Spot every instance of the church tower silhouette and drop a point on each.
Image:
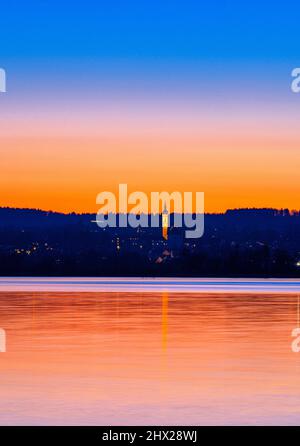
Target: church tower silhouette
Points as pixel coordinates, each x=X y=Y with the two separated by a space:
x=165 y=222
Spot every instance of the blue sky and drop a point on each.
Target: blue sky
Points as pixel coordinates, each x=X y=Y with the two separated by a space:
x=154 y=45
x=206 y=84
x=141 y=30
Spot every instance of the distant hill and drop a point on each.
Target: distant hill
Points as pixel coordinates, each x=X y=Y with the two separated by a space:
x=239 y=242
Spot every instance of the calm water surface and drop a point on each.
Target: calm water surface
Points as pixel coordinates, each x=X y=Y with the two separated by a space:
x=148 y=358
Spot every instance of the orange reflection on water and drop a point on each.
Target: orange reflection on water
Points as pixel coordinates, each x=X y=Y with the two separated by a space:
x=132 y=358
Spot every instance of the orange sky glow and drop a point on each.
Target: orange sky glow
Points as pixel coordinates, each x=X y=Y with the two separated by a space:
x=60 y=160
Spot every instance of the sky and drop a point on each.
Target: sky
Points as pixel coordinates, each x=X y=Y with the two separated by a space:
x=161 y=95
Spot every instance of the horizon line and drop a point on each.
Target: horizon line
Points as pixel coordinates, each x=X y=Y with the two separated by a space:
x=289 y=211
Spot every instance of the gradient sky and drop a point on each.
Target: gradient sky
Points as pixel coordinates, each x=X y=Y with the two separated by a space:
x=162 y=95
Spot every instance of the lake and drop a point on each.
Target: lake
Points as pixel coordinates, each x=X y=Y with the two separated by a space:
x=78 y=353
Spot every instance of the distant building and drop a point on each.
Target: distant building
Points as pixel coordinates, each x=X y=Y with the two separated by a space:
x=165 y=222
